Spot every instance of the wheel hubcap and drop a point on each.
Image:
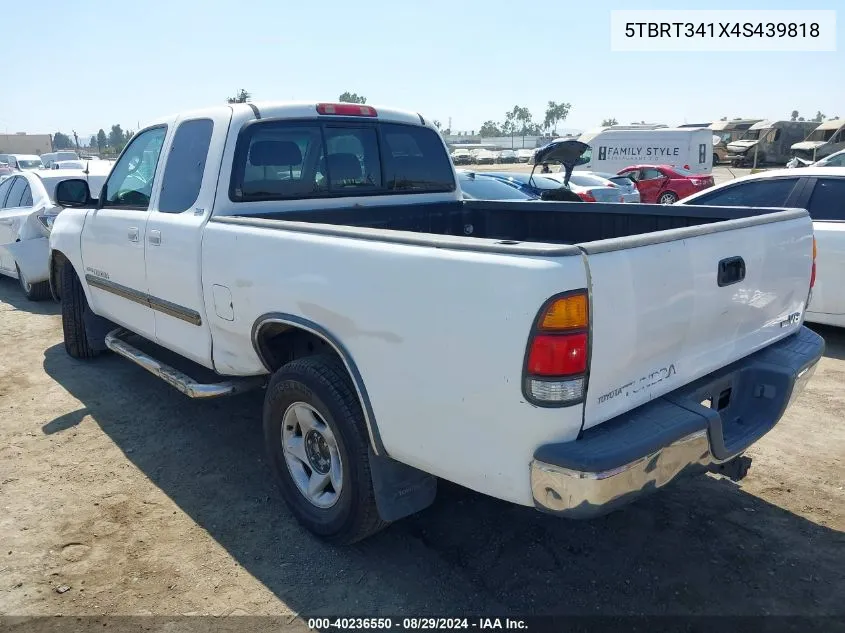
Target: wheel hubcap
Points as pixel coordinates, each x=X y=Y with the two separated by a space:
x=311 y=455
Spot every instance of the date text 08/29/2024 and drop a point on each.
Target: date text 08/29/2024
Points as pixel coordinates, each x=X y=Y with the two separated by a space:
x=413 y=624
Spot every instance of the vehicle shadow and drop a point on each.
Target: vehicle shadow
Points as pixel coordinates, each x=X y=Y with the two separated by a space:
x=11 y=293
x=834 y=339
x=702 y=546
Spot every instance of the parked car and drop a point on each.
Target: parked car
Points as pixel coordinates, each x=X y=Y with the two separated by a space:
x=591 y=188
x=27 y=212
x=547 y=186
x=524 y=155
x=506 y=156
x=664 y=184
x=820 y=190
x=68 y=164
x=49 y=159
x=21 y=162
x=481 y=186
x=485 y=157
x=405 y=335
x=461 y=157
x=834 y=160
x=630 y=193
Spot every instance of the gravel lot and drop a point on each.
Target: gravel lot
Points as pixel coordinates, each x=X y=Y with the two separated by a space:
x=120 y=496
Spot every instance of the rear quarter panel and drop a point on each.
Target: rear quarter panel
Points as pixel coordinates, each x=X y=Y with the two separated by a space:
x=438 y=336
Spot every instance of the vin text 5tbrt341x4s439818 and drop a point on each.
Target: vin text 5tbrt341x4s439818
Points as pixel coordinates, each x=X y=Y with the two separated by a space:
x=324 y=251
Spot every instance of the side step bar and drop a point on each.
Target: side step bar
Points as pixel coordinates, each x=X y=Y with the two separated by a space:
x=115 y=341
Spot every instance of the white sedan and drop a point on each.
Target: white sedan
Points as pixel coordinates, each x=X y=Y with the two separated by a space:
x=820 y=190
x=27 y=212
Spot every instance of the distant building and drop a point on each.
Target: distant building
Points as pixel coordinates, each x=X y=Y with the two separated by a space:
x=23 y=143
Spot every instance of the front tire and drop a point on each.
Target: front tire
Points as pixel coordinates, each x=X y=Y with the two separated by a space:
x=34 y=292
x=74 y=308
x=667 y=197
x=318 y=447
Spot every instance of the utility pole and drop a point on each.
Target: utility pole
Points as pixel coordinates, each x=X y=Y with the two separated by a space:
x=76 y=142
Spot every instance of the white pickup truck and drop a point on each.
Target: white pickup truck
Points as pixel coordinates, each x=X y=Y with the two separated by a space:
x=558 y=355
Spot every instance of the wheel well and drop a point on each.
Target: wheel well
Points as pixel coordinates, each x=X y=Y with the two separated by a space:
x=280 y=343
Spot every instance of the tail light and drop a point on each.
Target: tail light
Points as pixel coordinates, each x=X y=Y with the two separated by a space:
x=346 y=109
x=813 y=271
x=586 y=196
x=556 y=360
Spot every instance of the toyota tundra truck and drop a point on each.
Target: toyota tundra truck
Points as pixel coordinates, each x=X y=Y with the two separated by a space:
x=557 y=355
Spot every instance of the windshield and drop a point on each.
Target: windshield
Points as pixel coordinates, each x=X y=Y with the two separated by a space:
x=486 y=188
x=30 y=164
x=821 y=135
x=752 y=135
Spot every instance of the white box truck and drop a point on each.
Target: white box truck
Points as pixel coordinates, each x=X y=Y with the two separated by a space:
x=614 y=150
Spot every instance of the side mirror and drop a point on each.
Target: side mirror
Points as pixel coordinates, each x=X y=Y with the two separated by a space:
x=73 y=193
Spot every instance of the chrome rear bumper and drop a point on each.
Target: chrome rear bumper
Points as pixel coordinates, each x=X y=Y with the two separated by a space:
x=612 y=476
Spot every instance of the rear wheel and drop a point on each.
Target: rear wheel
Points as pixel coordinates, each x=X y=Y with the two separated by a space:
x=74 y=308
x=318 y=447
x=667 y=197
x=715 y=159
x=34 y=292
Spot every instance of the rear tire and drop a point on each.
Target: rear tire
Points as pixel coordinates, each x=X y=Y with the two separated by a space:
x=715 y=159
x=34 y=292
x=667 y=197
x=74 y=308
x=315 y=395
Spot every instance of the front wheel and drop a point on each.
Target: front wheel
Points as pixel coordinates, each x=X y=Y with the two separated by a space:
x=74 y=308
x=34 y=292
x=667 y=197
x=318 y=447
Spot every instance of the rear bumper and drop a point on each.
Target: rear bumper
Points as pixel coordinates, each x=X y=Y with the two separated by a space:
x=624 y=458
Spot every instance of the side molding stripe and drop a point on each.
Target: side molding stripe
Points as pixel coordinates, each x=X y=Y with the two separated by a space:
x=160 y=305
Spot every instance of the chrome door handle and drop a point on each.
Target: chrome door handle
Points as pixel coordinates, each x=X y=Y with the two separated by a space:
x=133 y=234
x=155 y=237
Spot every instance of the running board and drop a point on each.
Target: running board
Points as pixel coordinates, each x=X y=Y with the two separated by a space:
x=175 y=378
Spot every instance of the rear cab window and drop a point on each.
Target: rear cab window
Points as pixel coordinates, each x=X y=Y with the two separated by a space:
x=294 y=160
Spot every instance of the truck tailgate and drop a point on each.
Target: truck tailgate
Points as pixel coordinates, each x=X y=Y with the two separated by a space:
x=672 y=306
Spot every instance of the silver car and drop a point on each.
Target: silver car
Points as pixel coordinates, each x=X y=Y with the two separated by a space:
x=630 y=193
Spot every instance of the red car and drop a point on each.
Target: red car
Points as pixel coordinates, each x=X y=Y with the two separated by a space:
x=664 y=184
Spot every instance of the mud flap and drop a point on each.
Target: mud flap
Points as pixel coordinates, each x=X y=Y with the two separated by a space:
x=400 y=490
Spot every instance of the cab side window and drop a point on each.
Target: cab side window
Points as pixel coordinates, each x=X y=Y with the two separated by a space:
x=649 y=173
x=766 y=192
x=130 y=184
x=828 y=200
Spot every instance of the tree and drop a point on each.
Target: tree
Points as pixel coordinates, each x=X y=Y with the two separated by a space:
x=61 y=141
x=242 y=96
x=609 y=122
x=92 y=142
x=819 y=116
x=794 y=115
x=555 y=113
x=102 y=141
x=490 y=129
x=436 y=124
x=352 y=97
x=116 y=138
x=509 y=125
x=524 y=121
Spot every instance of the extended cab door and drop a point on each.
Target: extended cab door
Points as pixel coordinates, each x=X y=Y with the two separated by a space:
x=114 y=235
x=174 y=235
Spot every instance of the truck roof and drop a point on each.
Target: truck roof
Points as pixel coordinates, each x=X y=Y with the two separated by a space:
x=833 y=124
x=294 y=110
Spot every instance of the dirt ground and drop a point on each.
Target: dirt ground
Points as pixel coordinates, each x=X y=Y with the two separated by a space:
x=120 y=496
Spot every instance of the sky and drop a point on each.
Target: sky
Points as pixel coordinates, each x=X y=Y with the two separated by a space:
x=89 y=64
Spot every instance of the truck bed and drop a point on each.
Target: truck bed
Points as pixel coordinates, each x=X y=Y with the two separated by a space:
x=519 y=222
